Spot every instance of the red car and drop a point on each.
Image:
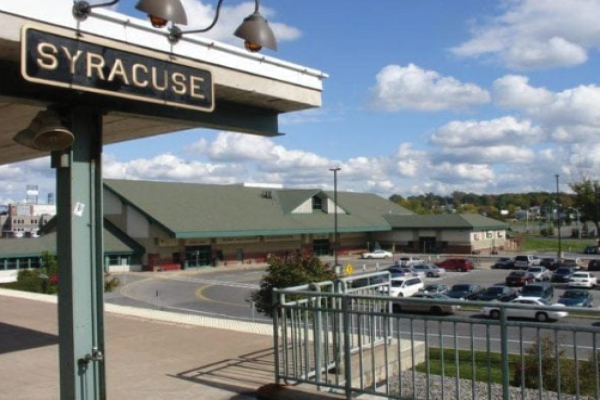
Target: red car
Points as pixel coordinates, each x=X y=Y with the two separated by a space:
x=519 y=278
x=456 y=264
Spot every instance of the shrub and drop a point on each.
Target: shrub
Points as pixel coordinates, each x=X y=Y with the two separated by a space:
x=555 y=368
x=110 y=282
x=29 y=281
x=283 y=272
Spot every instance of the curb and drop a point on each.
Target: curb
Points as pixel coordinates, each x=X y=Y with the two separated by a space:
x=158 y=315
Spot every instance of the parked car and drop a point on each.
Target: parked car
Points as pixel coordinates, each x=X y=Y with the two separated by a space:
x=526 y=261
x=379 y=253
x=410 y=261
x=429 y=307
x=456 y=264
x=397 y=271
x=496 y=293
x=593 y=265
x=403 y=287
x=542 y=290
x=541 y=274
x=591 y=250
x=583 y=279
x=430 y=270
x=519 y=278
x=435 y=288
x=576 y=298
x=549 y=262
x=531 y=312
x=464 y=291
x=563 y=274
x=361 y=281
x=504 y=263
x=570 y=262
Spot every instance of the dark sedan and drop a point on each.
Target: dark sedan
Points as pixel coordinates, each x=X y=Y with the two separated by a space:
x=504 y=263
x=576 y=298
x=519 y=278
x=594 y=265
x=464 y=291
x=496 y=293
x=563 y=274
x=549 y=262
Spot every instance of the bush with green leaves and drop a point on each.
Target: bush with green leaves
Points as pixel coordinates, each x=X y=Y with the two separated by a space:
x=543 y=359
x=283 y=272
x=110 y=282
x=45 y=279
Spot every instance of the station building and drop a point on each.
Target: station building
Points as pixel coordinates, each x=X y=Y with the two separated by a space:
x=151 y=225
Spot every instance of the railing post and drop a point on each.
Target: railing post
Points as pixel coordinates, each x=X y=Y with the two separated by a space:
x=347 y=354
x=504 y=354
x=276 y=308
x=317 y=335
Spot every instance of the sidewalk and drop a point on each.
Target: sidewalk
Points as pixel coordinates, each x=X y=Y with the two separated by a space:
x=150 y=355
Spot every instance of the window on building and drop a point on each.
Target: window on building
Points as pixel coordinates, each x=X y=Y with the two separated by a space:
x=317 y=203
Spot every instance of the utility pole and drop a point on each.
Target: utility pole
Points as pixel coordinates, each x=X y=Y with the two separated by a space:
x=335 y=219
x=558 y=218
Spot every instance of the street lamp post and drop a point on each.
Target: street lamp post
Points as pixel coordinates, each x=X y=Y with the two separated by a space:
x=558 y=218
x=335 y=219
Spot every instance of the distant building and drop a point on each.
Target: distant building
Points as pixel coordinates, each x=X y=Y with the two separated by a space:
x=25 y=220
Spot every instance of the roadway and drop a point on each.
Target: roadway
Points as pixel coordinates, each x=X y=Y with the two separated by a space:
x=226 y=294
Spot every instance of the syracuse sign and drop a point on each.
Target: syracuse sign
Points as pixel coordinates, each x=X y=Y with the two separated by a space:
x=62 y=58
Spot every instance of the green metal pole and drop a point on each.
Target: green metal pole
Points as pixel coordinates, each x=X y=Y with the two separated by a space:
x=80 y=256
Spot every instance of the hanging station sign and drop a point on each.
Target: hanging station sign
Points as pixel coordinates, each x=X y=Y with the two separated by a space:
x=79 y=61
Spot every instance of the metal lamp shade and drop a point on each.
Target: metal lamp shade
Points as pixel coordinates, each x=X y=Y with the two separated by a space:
x=256 y=32
x=45 y=133
x=165 y=10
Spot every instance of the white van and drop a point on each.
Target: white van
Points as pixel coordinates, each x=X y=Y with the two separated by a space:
x=404 y=286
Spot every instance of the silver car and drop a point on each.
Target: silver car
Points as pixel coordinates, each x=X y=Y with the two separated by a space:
x=541 y=274
x=430 y=270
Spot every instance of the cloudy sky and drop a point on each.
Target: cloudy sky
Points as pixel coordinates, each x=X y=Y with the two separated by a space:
x=423 y=96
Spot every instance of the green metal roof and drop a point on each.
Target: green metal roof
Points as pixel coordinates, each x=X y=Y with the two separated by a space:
x=31 y=247
x=291 y=199
x=474 y=222
x=189 y=210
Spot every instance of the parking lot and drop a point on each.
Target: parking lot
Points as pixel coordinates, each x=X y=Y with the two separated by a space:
x=485 y=277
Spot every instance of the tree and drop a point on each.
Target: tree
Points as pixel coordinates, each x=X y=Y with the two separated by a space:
x=282 y=272
x=587 y=197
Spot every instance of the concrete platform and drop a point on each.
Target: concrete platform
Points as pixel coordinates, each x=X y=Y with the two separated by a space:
x=150 y=355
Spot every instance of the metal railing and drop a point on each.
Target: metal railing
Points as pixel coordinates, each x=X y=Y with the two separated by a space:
x=344 y=338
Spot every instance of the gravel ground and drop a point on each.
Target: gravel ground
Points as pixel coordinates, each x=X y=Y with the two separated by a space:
x=446 y=389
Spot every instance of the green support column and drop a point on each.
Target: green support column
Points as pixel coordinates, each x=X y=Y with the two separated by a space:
x=80 y=256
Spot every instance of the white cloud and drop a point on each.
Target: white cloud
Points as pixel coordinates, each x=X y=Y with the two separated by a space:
x=501 y=131
x=514 y=91
x=570 y=115
x=168 y=167
x=235 y=147
x=456 y=173
x=537 y=34
x=501 y=154
x=414 y=88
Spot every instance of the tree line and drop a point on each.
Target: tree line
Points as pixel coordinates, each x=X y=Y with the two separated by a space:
x=585 y=199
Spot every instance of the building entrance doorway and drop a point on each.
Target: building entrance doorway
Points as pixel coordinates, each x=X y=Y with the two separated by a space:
x=321 y=247
x=198 y=256
x=427 y=244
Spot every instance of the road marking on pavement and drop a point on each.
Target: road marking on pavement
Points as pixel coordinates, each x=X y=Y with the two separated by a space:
x=212 y=282
x=201 y=296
